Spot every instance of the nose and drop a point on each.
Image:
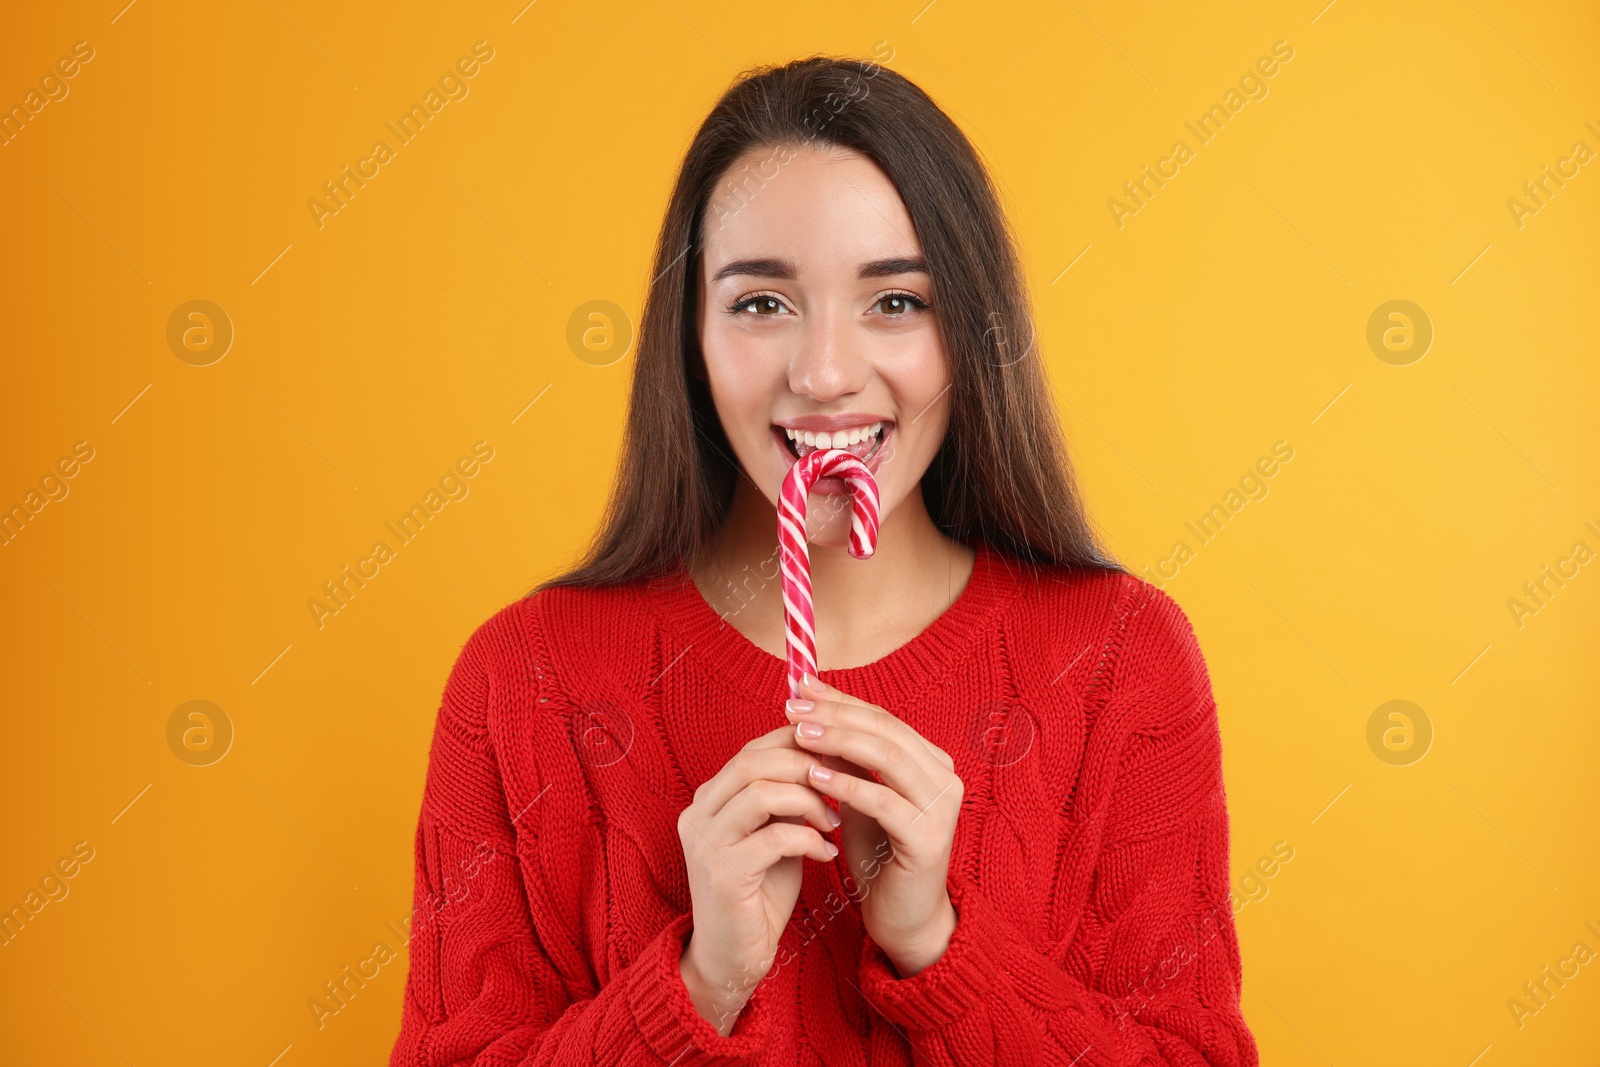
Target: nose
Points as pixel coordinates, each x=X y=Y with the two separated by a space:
x=830 y=361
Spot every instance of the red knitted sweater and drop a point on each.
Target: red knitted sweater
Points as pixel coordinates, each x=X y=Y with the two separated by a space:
x=1089 y=873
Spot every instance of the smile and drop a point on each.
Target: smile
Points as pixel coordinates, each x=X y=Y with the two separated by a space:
x=864 y=442
x=860 y=441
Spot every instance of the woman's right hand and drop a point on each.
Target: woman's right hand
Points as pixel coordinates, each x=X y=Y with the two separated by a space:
x=743 y=837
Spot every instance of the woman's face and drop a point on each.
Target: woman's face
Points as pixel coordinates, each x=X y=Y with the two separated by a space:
x=816 y=317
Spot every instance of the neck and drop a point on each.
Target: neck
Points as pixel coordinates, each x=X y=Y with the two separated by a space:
x=865 y=608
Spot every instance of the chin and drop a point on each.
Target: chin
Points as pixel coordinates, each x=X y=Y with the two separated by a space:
x=828 y=517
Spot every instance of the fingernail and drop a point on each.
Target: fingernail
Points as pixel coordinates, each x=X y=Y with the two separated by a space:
x=833 y=817
x=821 y=774
x=800 y=707
x=833 y=849
x=810 y=682
x=809 y=729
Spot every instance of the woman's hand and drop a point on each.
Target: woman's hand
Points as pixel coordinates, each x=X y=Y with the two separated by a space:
x=898 y=834
x=744 y=870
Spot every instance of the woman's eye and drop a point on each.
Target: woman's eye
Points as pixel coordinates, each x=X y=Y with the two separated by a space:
x=764 y=306
x=899 y=304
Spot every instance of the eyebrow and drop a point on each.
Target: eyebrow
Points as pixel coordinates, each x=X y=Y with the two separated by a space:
x=772 y=267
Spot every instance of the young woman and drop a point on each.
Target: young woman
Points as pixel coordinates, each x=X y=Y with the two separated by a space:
x=994 y=833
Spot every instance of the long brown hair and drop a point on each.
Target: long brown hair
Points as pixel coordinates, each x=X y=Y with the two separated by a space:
x=1001 y=475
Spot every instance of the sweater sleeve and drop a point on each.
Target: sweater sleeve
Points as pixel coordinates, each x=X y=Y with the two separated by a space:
x=491 y=983
x=1153 y=976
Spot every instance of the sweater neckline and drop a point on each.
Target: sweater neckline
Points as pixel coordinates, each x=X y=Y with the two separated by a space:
x=923 y=660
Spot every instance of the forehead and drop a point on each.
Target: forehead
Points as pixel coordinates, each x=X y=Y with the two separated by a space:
x=825 y=209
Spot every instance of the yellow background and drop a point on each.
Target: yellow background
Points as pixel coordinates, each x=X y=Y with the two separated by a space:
x=1229 y=313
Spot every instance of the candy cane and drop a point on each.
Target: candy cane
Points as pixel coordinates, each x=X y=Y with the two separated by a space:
x=794 y=553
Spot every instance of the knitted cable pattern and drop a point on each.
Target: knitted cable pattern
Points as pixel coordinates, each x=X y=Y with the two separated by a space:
x=1089 y=873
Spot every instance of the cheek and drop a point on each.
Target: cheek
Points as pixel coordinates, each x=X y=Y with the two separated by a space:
x=738 y=375
x=923 y=400
x=745 y=382
x=922 y=369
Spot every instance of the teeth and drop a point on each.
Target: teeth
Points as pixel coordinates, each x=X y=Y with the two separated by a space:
x=837 y=439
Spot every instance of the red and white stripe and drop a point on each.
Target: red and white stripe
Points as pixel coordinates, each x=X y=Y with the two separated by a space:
x=800 y=622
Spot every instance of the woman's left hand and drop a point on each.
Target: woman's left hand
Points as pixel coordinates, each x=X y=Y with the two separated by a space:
x=897 y=834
